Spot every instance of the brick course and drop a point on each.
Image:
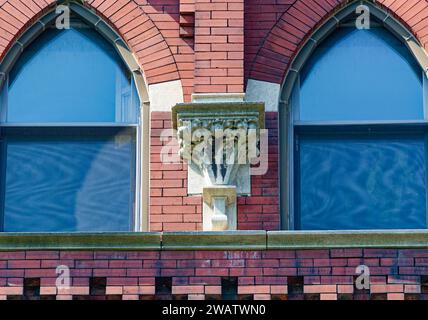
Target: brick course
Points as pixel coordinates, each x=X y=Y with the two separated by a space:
x=260 y=274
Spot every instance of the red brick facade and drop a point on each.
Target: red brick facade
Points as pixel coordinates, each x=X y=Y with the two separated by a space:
x=170 y=206
x=284 y=275
x=219 y=46
x=212 y=46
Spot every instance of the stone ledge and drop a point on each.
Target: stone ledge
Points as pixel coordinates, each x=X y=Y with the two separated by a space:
x=80 y=241
x=224 y=240
x=347 y=239
x=227 y=240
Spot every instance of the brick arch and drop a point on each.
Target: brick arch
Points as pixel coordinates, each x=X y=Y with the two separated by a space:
x=299 y=21
x=124 y=16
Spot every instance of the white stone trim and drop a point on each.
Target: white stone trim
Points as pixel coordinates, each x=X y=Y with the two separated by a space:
x=217 y=97
x=163 y=96
x=262 y=91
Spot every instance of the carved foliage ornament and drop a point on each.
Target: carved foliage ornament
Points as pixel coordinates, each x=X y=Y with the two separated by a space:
x=220 y=143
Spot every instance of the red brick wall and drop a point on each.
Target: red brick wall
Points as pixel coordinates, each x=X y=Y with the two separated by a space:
x=277 y=274
x=171 y=209
x=165 y=15
x=260 y=17
x=260 y=211
x=219 y=46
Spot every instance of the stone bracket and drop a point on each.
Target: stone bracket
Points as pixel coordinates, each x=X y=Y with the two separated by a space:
x=219 y=140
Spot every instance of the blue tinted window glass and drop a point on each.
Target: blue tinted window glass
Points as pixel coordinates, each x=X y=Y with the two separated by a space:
x=71 y=75
x=361 y=75
x=68 y=179
x=362 y=183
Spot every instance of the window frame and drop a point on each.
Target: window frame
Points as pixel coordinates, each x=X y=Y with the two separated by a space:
x=140 y=216
x=289 y=139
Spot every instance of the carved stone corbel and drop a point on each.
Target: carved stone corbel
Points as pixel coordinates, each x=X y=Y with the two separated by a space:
x=219 y=141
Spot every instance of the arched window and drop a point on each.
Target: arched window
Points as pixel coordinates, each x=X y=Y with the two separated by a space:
x=359 y=135
x=68 y=131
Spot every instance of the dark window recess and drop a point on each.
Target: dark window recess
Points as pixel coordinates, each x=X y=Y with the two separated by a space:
x=84 y=297
x=311 y=296
x=32 y=289
x=279 y=297
x=378 y=296
x=359 y=291
x=344 y=296
x=361 y=296
x=295 y=285
x=229 y=288
x=163 y=285
x=412 y=296
x=97 y=286
x=163 y=288
x=424 y=284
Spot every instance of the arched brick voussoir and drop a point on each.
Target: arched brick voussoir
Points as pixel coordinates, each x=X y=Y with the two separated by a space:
x=300 y=20
x=124 y=16
x=15 y=18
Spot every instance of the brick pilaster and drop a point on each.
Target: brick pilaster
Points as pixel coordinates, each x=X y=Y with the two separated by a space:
x=219 y=46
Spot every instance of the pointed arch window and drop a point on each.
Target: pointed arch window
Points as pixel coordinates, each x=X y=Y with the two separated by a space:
x=69 y=126
x=359 y=135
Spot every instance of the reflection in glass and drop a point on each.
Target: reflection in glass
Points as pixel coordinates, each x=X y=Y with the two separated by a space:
x=71 y=76
x=68 y=179
x=361 y=75
x=358 y=182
